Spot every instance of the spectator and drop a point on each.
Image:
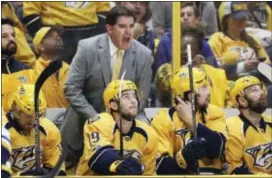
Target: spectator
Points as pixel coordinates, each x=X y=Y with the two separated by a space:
x=238 y=52
x=79 y=19
x=164 y=51
x=24 y=53
x=216 y=77
x=98 y=61
x=49 y=45
x=161 y=17
x=13 y=71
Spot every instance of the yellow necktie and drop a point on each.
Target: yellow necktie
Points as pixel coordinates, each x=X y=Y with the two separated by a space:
x=117 y=65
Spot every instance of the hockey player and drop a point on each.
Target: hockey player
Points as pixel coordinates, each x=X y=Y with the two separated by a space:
x=249 y=147
x=102 y=136
x=178 y=152
x=20 y=124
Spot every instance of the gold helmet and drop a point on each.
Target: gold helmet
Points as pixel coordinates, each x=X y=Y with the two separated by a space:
x=113 y=88
x=163 y=77
x=237 y=88
x=181 y=81
x=24 y=99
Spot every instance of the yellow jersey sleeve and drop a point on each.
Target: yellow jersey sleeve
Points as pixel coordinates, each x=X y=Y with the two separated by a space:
x=234 y=148
x=52 y=144
x=150 y=152
x=166 y=135
x=96 y=135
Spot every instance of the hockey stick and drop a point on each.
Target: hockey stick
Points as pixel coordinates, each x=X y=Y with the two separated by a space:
x=266 y=70
x=192 y=98
x=121 y=123
x=48 y=71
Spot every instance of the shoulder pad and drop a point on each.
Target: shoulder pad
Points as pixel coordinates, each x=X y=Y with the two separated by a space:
x=214 y=112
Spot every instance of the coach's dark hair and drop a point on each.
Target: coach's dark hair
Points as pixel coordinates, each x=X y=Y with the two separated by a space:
x=244 y=36
x=7 y=22
x=117 y=12
x=191 y=4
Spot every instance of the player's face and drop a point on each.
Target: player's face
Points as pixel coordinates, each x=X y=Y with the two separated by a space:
x=122 y=32
x=52 y=44
x=129 y=104
x=203 y=97
x=257 y=99
x=8 y=44
x=26 y=121
x=188 y=16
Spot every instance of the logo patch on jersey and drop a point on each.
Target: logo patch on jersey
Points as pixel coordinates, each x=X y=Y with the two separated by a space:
x=23 y=159
x=182 y=133
x=93 y=119
x=132 y=154
x=22 y=91
x=262 y=155
x=77 y=4
x=23 y=79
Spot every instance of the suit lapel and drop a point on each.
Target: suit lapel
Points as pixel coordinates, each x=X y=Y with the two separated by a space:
x=128 y=59
x=104 y=57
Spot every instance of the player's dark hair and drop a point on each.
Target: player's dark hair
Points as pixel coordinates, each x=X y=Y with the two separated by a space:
x=117 y=12
x=7 y=22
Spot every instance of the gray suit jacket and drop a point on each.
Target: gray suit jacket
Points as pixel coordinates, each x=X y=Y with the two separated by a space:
x=89 y=74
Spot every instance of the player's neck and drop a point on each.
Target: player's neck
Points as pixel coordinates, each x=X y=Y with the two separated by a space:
x=48 y=57
x=253 y=117
x=126 y=125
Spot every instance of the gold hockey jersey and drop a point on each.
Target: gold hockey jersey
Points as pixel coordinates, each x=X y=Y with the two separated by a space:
x=248 y=146
x=23 y=147
x=174 y=135
x=101 y=131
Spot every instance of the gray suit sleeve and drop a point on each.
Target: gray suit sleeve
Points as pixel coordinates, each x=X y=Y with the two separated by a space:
x=73 y=87
x=145 y=81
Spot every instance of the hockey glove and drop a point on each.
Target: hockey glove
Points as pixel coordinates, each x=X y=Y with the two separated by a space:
x=129 y=166
x=193 y=151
